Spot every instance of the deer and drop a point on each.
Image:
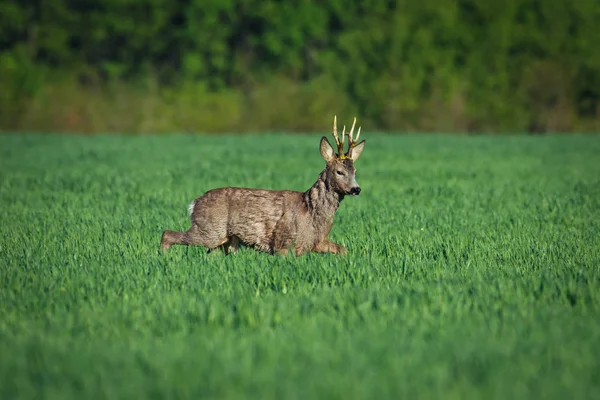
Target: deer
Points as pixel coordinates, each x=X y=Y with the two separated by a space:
x=276 y=221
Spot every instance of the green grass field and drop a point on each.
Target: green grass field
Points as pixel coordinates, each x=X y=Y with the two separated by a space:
x=473 y=271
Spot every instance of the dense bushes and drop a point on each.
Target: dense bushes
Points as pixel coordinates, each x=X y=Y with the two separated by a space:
x=223 y=65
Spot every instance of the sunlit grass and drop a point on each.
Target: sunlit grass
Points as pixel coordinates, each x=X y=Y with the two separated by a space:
x=473 y=271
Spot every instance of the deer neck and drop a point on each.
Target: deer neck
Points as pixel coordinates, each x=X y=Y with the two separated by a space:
x=322 y=201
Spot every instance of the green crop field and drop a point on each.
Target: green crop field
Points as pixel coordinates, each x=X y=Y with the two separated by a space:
x=473 y=271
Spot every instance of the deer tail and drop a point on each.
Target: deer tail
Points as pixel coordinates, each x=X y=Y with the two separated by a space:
x=191 y=207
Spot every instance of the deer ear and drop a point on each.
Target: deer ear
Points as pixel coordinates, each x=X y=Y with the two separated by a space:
x=326 y=149
x=356 y=150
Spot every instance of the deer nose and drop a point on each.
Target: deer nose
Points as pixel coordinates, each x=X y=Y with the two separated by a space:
x=355 y=191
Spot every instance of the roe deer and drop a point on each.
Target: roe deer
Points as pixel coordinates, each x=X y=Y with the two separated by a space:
x=273 y=221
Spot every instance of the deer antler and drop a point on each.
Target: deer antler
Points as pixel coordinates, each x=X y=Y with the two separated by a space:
x=339 y=144
x=352 y=141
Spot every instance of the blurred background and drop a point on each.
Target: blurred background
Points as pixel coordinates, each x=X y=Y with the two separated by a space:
x=154 y=66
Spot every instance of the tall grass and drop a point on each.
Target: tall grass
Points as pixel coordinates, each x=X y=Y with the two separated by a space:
x=473 y=271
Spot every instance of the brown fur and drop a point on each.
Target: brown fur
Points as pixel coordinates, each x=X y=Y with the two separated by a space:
x=273 y=221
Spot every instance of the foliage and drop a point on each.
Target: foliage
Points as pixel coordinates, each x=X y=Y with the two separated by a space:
x=473 y=271
x=435 y=65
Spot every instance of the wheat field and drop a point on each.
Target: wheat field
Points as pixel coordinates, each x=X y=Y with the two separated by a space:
x=473 y=271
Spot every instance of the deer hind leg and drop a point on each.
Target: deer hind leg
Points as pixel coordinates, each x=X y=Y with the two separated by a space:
x=231 y=246
x=169 y=238
x=193 y=237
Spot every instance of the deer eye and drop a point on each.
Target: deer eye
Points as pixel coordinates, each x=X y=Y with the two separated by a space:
x=339 y=172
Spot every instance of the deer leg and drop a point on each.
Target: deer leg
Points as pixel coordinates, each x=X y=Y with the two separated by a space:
x=170 y=238
x=234 y=244
x=231 y=246
x=281 y=243
x=329 y=247
x=192 y=237
x=283 y=247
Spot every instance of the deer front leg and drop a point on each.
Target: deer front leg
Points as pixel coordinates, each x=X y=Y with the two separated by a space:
x=297 y=249
x=329 y=247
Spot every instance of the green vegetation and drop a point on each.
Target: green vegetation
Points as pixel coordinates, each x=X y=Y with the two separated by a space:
x=473 y=271
x=248 y=65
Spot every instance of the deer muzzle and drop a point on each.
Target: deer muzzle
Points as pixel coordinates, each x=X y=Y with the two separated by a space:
x=355 y=191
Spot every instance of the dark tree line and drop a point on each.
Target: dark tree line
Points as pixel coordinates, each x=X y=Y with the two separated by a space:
x=511 y=64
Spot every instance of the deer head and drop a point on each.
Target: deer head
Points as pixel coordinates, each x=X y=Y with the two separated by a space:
x=340 y=171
